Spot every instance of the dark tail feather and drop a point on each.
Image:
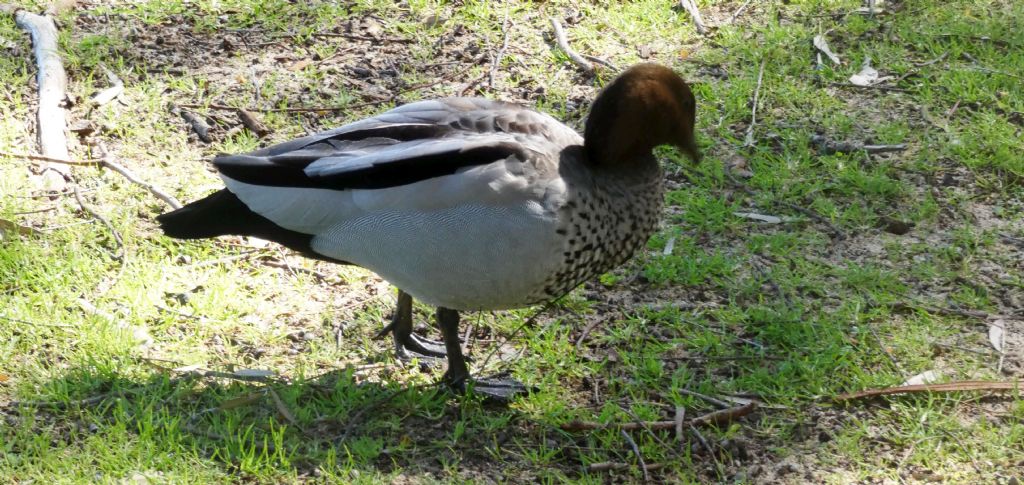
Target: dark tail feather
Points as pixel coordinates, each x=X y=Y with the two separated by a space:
x=219 y=214
x=222 y=213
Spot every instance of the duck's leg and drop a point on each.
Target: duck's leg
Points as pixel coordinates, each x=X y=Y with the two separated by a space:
x=407 y=344
x=457 y=375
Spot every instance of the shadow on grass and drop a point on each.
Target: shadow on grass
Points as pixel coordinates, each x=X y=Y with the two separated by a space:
x=333 y=425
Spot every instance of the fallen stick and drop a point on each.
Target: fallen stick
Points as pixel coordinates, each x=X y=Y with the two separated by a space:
x=201 y=129
x=612 y=465
x=107 y=160
x=739 y=12
x=716 y=417
x=501 y=52
x=87 y=162
x=919 y=388
x=691 y=7
x=52 y=81
x=563 y=43
x=748 y=139
x=636 y=451
x=829 y=147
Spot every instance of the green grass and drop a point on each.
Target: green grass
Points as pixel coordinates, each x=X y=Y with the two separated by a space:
x=790 y=314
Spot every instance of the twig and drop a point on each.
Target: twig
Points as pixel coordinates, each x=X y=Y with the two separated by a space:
x=717 y=402
x=515 y=332
x=739 y=11
x=96 y=215
x=254 y=125
x=311 y=109
x=829 y=147
x=107 y=95
x=933 y=61
x=725 y=415
x=872 y=86
x=748 y=140
x=295 y=269
x=586 y=332
x=636 y=451
x=52 y=81
x=611 y=465
x=87 y=162
x=691 y=8
x=563 y=44
x=201 y=129
x=598 y=60
x=704 y=442
x=679 y=419
x=107 y=160
x=919 y=388
x=713 y=418
x=501 y=52
x=233 y=257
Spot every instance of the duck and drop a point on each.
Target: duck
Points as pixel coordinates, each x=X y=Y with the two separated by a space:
x=465 y=204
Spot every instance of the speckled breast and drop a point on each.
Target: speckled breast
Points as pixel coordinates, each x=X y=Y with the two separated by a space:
x=603 y=229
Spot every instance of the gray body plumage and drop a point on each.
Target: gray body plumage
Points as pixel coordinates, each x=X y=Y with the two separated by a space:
x=511 y=215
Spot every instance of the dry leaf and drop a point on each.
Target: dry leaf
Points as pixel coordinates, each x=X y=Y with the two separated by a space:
x=822 y=45
x=997 y=334
x=281 y=408
x=299 y=65
x=867 y=75
x=4 y=378
x=926 y=377
x=759 y=217
x=738 y=166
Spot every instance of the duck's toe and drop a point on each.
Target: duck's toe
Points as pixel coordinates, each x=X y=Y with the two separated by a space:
x=414 y=346
x=495 y=390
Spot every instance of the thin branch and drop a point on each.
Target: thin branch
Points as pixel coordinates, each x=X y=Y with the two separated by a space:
x=739 y=11
x=87 y=162
x=598 y=60
x=725 y=415
x=636 y=451
x=748 y=140
x=717 y=402
x=873 y=86
x=713 y=418
x=604 y=466
x=105 y=161
x=108 y=161
x=518 y=329
x=505 y=29
x=96 y=215
x=691 y=7
x=563 y=44
x=928 y=388
x=933 y=61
